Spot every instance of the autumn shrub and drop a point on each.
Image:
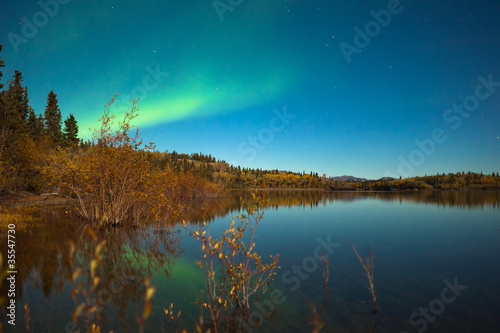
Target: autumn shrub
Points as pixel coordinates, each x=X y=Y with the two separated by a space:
x=20 y=169
x=106 y=178
x=114 y=181
x=235 y=274
x=161 y=197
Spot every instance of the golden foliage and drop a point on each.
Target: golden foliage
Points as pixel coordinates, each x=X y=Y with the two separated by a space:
x=242 y=273
x=114 y=181
x=20 y=165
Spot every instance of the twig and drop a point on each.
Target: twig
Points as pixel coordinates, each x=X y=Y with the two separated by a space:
x=367 y=263
x=326 y=276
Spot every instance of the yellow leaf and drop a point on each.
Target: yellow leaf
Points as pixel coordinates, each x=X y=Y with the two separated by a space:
x=99 y=247
x=77 y=312
x=92 y=233
x=149 y=293
x=93 y=266
x=76 y=274
x=96 y=282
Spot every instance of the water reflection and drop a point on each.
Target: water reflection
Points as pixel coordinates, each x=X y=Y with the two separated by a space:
x=44 y=273
x=130 y=255
x=314 y=198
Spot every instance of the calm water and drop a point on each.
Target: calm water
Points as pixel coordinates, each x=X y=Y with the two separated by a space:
x=436 y=259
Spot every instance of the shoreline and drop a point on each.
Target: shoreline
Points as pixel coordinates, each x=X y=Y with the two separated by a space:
x=27 y=200
x=33 y=200
x=356 y=190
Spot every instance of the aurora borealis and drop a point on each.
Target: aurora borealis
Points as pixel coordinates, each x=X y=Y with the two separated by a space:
x=212 y=74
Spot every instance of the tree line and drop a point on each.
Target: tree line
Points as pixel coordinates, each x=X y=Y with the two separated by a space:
x=26 y=136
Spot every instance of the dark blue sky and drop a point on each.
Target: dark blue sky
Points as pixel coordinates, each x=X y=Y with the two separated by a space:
x=268 y=83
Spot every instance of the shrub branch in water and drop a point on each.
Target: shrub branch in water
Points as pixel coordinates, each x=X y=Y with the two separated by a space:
x=242 y=274
x=367 y=263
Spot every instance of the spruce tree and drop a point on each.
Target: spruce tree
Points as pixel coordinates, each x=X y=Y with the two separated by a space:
x=24 y=103
x=53 y=119
x=34 y=125
x=16 y=106
x=31 y=122
x=71 y=131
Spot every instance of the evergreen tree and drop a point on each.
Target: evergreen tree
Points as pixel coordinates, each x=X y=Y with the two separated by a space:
x=31 y=123
x=16 y=108
x=41 y=123
x=24 y=106
x=85 y=144
x=34 y=125
x=71 y=131
x=53 y=119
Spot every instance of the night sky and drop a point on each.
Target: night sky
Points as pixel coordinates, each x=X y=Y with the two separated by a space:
x=363 y=88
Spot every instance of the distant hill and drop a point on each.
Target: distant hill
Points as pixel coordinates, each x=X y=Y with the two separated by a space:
x=349 y=179
x=385 y=179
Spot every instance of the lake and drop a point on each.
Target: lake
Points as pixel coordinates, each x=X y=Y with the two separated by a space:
x=436 y=264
